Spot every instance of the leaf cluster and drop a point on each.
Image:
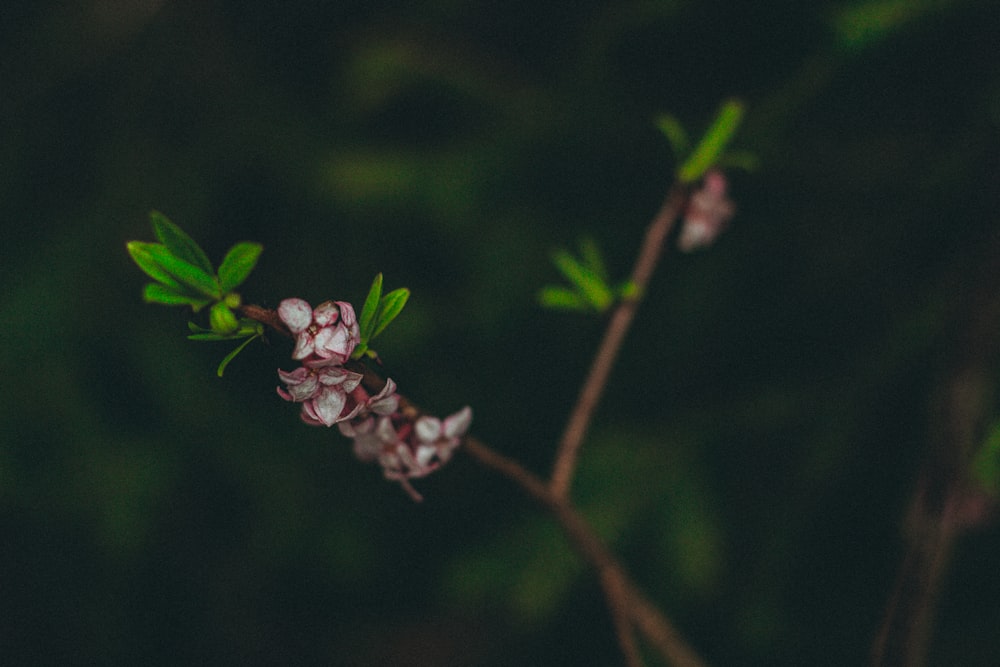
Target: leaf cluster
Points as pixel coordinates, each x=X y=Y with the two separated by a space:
x=185 y=277
x=377 y=313
x=711 y=150
x=589 y=289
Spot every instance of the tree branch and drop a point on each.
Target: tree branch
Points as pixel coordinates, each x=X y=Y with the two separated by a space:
x=946 y=501
x=624 y=597
x=621 y=320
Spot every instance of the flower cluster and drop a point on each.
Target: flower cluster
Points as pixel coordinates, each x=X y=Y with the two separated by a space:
x=707 y=213
x=406 y=445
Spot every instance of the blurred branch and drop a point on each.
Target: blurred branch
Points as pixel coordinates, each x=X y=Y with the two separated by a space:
x=621 y=320
x=946 y=501
x=624 y=597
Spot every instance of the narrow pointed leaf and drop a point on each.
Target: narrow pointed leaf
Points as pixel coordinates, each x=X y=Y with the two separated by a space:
x=710 y=148
x=159 y=293
x=369 y=311
x=143 y=256
x=232 y=355
x=562 y=298
x=593 y=258
x=247 y=327
x=184 y=272
x=588 y=283
x=675 y=134
x=179 y=243
x=392 y=304
x=237 y=264
x=569 y=266
x=208 y=336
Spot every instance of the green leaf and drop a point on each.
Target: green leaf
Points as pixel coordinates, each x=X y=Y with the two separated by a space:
x=247 y=327
x=562 y=298
x=143 y=256
x=588 y=283
x=232 y=355
x=237 y=264
x=390 y=306
x=370 y=310
x=710 y=148
x=208 y=336
x=179 y=243
x=181 y=271
x=986 y=463
x=167 y=296
x=674 y=132
x=593 y=258
x=222 y=319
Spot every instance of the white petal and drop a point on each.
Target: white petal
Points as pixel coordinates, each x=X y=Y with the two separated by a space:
x=425 y=453
x=457 y=424
x=303 y=346
x=328 y=405
x=296 y=313
x=347 y=315
x=385 y=431
x=326 y=313
x=428 y=429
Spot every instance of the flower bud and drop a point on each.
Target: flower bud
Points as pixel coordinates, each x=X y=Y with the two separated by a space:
x=707 y=214
x=222 y=320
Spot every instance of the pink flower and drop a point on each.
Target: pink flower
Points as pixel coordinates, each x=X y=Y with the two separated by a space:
x=325 y=335
x=327 y=394
x=442 y=437
x=407 y=449
x=386 y=401
x=707 y=214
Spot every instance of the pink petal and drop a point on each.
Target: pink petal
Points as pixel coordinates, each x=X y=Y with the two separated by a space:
x=327 y=405
x=333 y=343
x=296 y=314
x=326 y=314
x=428 y=429
x=347 y=315
x=457 y=424
x=303 y=346
x=338 y=375
x=385 y=402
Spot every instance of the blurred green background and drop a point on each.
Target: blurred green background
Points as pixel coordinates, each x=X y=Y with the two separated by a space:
x=758 y=442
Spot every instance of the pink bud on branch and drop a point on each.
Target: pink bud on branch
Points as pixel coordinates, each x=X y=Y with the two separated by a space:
x=707 y=213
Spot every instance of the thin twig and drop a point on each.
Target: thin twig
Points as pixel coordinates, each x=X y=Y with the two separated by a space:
x=621 y=320
x=623 y=594
x=946 y=502
x=266 y=316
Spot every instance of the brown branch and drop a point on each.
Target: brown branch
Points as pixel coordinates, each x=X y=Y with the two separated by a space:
x=946 y=501
x=265 y=316
x=621 y=320
x=624 y=597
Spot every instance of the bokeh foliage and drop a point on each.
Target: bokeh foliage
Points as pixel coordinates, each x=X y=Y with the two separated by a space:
x=757 y=444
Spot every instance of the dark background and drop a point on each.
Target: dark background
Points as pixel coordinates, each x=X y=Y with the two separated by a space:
x=755 y=452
